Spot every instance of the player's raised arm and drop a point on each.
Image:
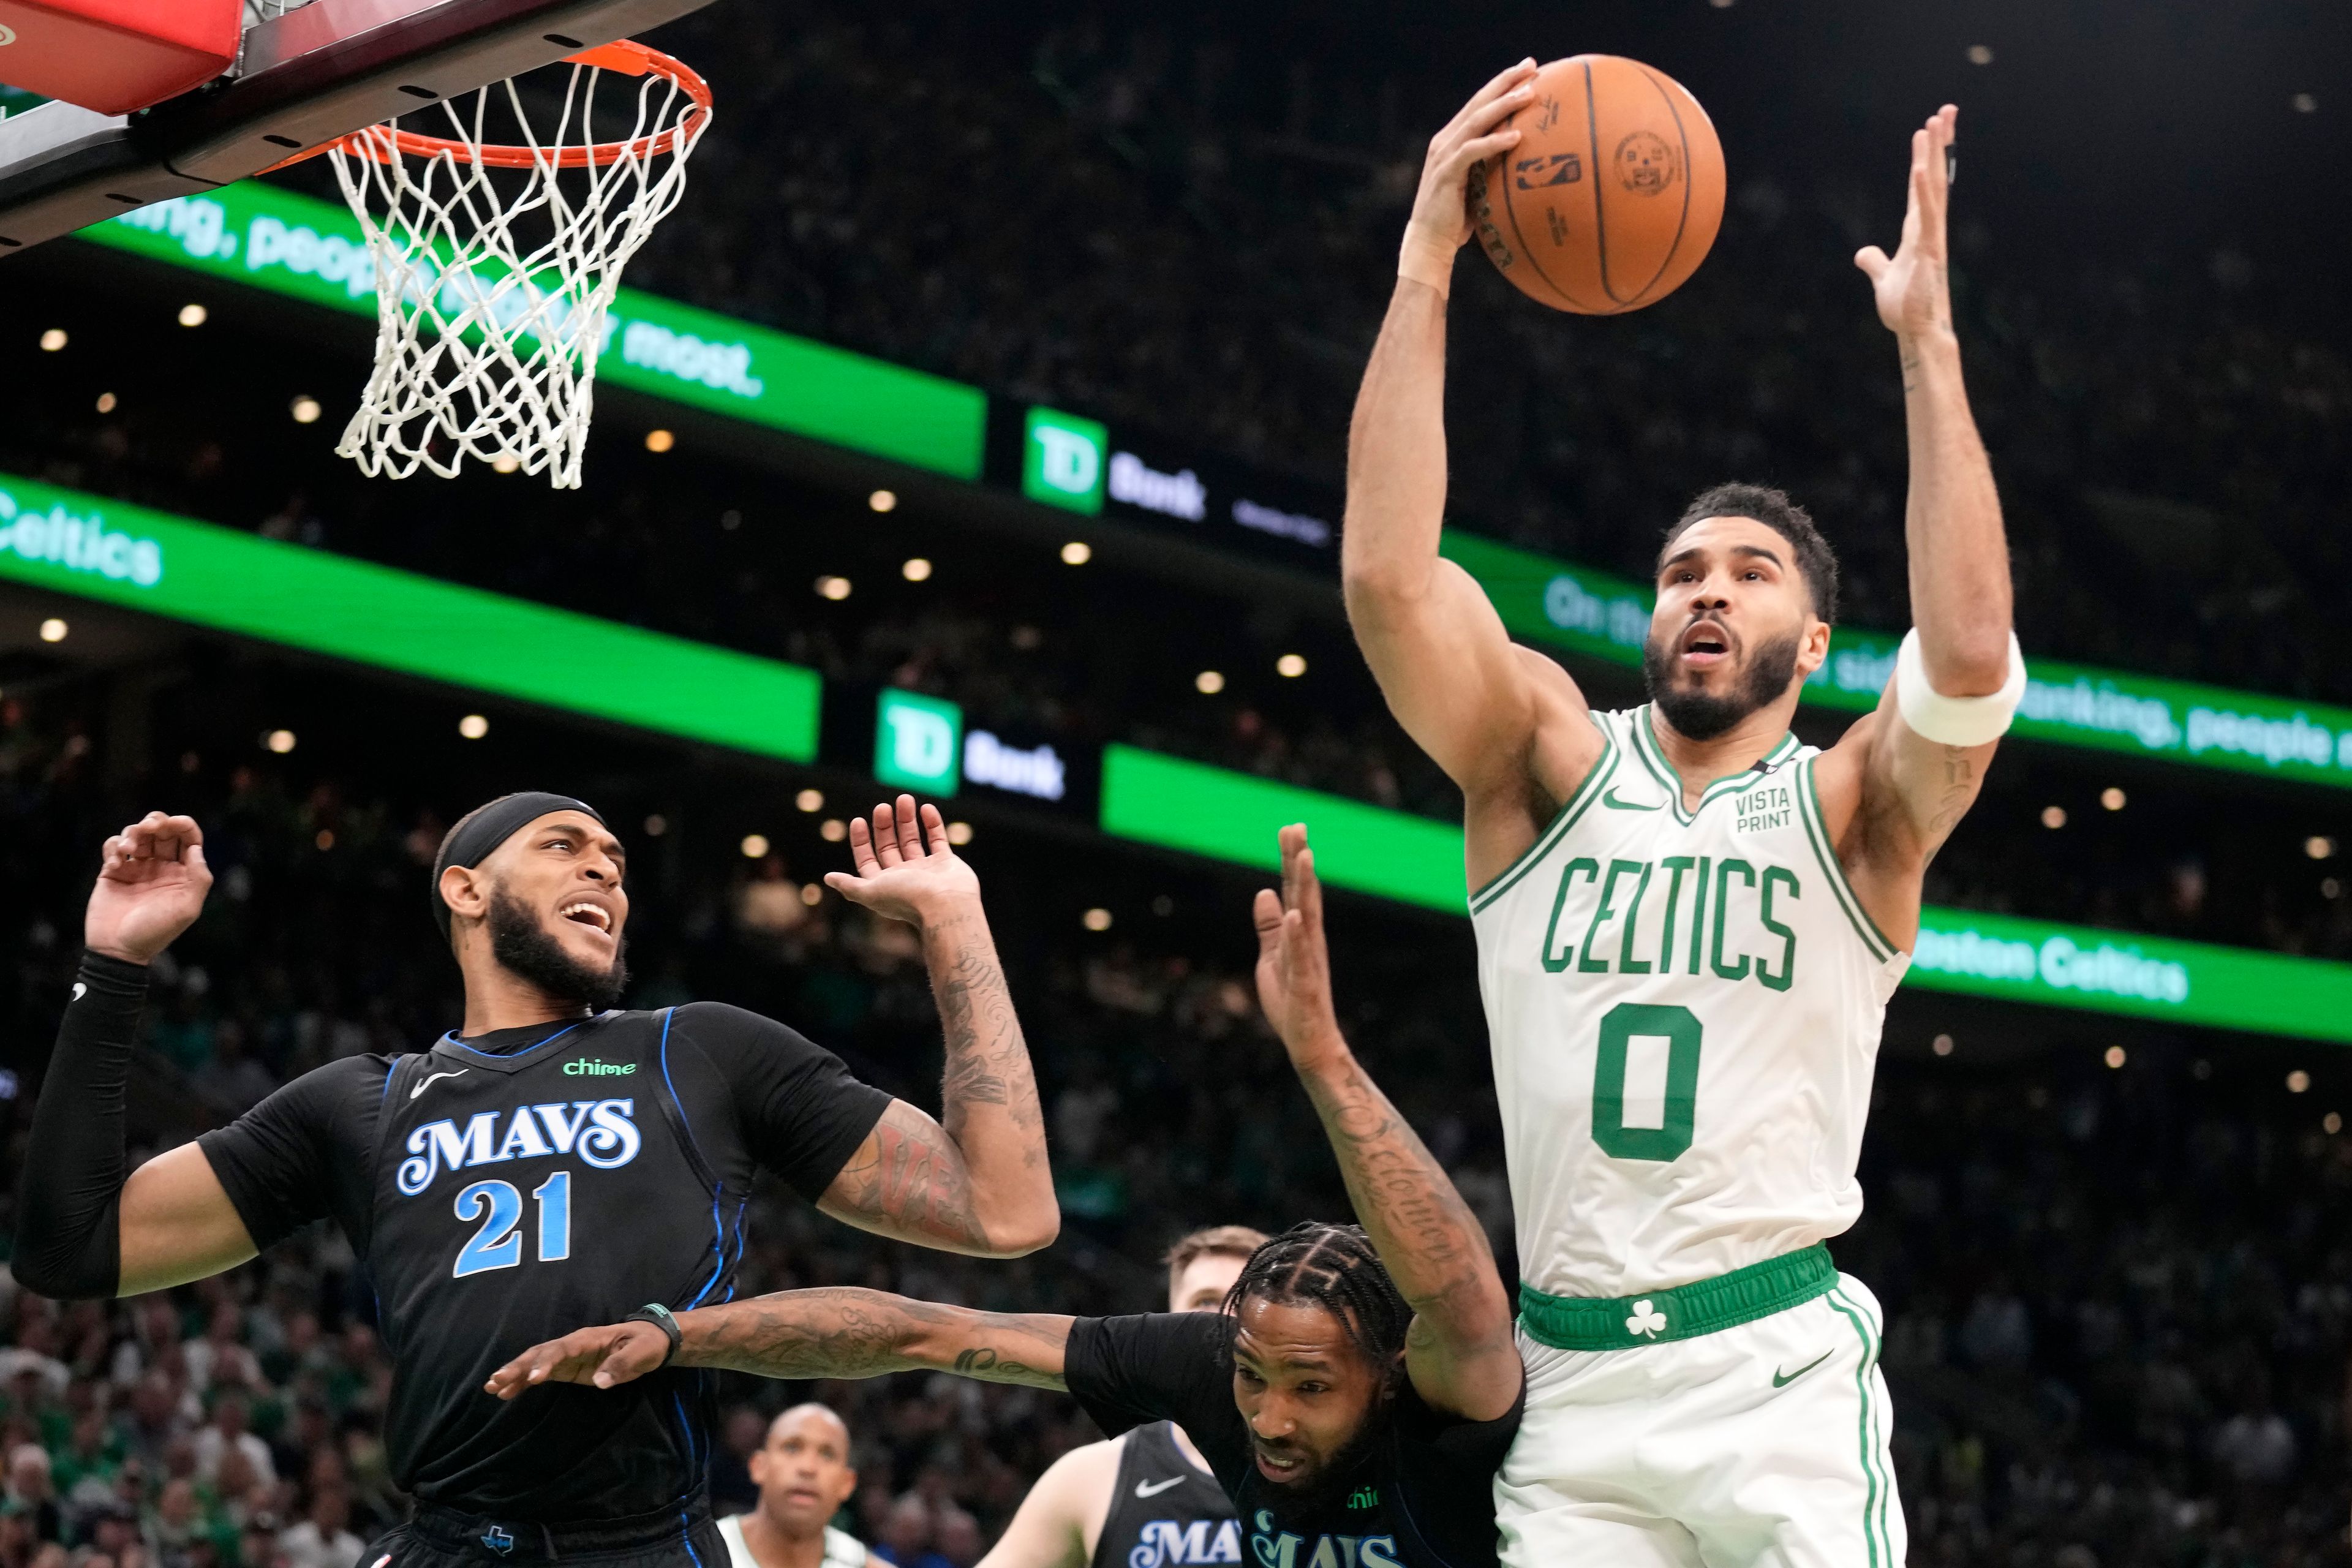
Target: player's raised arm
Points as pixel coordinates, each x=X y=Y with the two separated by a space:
x=1471 y=699
x=976 y=1180
x=1916 y=764
x=838 y=1332
x=83 y=1230
x=1459 y=1351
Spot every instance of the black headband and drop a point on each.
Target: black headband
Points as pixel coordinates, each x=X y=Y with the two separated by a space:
x=481 y=831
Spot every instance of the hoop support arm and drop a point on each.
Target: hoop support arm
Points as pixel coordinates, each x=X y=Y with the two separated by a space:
x=309 y=76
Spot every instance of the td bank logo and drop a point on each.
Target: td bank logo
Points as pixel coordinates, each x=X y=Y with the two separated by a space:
x=1062 y=461
x=916 y=740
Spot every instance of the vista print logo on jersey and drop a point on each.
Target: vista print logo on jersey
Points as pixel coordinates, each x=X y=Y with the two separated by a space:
x=602 y=1132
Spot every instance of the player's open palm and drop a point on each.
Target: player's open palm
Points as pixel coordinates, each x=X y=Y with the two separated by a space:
x=905 y=867
x=151 y=881
x=602 y=1357
x=1913 y=285
x=1294 y=965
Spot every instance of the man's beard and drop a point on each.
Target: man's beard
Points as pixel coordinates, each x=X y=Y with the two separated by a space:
x=1703 y=715
x=521 y=944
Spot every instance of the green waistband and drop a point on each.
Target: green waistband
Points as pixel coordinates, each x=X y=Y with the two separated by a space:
x=1742 y=1296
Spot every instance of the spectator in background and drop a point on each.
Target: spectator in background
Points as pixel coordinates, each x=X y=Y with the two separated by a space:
x=907 y=1531
x=322 y=1538
x=220 y=1359
x=30 y=1492
x=225 y=1433
x=2256 y=1448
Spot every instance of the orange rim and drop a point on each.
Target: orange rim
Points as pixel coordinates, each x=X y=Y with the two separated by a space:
x=625 y=57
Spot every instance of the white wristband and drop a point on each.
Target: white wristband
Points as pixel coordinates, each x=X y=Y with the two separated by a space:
x=1955 y=720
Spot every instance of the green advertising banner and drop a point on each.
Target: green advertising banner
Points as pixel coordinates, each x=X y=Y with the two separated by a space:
x=1233 y=817
x=1603 y=616
x=308 y=599
x=292 y=245
x=1226 y=815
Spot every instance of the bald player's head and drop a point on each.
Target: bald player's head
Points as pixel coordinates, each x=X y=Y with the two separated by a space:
x=803 y=1470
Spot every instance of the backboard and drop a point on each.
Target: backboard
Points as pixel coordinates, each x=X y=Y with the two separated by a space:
x=312 y=73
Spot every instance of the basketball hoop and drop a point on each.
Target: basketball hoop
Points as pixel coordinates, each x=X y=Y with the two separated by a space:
x=496 y=263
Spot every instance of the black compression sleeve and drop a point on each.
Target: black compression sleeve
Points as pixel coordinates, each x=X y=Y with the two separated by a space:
x=69 y=1202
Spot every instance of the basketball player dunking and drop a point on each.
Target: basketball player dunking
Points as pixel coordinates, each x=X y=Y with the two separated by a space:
x=1688 y=925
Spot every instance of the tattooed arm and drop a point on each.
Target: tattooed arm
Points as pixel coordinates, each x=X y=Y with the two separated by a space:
x=1891 y=796
x=808 y=1334
x=1459 y=1351
x=978 y=1184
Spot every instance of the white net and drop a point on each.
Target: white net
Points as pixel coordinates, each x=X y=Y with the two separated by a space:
x=496 y=264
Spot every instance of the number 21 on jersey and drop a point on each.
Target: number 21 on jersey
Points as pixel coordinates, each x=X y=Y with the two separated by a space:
x=498 y=1244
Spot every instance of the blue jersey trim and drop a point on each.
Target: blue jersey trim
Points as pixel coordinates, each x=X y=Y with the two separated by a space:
x=454 y=1043
x=718 y=1254
x=686 y=1536
x=683 y=1120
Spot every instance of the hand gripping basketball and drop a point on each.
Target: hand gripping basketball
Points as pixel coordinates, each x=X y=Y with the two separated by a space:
x=1441 y=208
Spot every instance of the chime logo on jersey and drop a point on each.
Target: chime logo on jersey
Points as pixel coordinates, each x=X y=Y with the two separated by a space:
x=1280 y=1548
x=1166 y=1543
x=601 y=1131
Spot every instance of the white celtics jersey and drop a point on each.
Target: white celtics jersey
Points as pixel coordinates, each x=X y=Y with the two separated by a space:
x=1685 y=1009
x=842 y=1549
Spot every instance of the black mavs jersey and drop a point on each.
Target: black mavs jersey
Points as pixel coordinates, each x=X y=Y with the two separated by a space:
x=507 y=1189
x=1163 y=1510
x=1422 y=1496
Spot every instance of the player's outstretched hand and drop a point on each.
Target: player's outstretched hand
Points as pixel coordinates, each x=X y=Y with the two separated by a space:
x=906 y=868
x=1294 y=965
x=1441 y=209
x=151 y=881
x=603 y=1358
x=1913 y=287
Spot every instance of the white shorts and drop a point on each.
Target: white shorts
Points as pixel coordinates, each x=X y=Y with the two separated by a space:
x=1762 y=1444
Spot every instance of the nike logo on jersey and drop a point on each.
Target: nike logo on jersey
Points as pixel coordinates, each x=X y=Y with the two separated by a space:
x=1153 y=1488
x=1609 y=798
x=428 y=1083
x=1783 y=1379
x=80 y=990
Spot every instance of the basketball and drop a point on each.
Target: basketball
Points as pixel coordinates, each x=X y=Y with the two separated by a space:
x=1613 y=195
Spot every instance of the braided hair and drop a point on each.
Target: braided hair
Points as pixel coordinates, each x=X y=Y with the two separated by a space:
x=1332 y=1267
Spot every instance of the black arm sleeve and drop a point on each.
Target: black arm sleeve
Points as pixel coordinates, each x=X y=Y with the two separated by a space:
x=1158 y=1366
x=301 y=1154
x=70 y=1199
x=801 y=1113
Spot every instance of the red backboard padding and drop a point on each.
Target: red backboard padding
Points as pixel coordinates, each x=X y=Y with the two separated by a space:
x=115 y=55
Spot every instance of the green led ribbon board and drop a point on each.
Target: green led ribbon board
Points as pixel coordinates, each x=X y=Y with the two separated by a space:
x=1603 y=616
x=1226 y=815
x=308 y=599
x=255 y=234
